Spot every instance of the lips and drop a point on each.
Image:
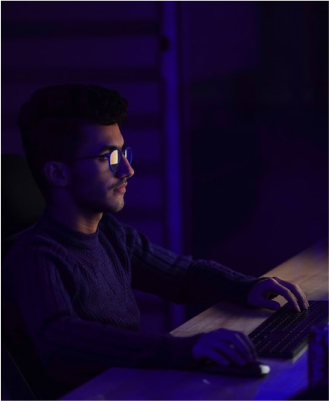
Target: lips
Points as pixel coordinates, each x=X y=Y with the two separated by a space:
x=121 y=188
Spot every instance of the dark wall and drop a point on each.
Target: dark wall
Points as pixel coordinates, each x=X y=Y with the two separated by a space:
x=255 y=89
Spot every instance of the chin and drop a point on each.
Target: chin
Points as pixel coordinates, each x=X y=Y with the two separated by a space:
x=115 y=208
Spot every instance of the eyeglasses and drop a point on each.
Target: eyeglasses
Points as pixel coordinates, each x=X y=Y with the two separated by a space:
x=114 y=157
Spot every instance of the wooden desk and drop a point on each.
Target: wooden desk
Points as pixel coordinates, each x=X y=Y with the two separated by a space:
x=309 y=269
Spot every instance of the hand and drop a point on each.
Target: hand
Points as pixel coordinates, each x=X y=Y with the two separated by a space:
x=270 y=287
x=225 y=347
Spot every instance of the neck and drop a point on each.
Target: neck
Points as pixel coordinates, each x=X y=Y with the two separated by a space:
x=86 y=223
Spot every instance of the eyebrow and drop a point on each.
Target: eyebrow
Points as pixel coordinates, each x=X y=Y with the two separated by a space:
x=110 y=147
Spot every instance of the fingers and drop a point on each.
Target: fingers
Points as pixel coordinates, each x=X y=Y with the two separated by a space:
x=280 y=289
x=291 y=292
x=295 y=293
x=263 y=302
x=225 y=347
x=260 y=293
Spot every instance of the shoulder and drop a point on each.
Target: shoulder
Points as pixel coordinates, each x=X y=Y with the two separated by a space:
x=33 y=244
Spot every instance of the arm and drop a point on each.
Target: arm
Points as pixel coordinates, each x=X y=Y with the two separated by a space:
x=179 y=278
x=184 y=280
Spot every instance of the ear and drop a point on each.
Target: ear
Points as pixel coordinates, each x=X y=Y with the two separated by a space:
x=57 y=173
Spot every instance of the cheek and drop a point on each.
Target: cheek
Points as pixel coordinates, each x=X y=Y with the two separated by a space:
x=92 y=183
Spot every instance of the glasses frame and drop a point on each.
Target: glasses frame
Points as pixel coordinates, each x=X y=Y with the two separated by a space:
x=126 y=152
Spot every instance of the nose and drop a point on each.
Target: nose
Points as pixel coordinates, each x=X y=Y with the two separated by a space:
x=125 y=170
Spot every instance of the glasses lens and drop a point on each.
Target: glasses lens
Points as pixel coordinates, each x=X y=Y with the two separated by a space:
x=115 y=159
x=128 y=154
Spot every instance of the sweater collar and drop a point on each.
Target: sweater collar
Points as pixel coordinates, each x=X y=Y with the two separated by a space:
x=65 y=234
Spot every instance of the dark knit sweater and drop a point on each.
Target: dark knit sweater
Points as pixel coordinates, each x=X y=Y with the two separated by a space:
x=67 y=298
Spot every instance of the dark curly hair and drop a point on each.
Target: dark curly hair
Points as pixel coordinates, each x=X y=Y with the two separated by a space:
x=50 y=121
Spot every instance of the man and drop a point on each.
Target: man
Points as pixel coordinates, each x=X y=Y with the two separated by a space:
x=67 y=281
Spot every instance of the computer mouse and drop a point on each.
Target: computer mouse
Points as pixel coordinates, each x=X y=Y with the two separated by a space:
x=252 y=369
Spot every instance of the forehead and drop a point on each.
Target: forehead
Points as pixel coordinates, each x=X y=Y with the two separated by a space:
x=97 y=137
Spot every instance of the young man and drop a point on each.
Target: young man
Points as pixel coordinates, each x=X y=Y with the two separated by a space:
x=67 y=281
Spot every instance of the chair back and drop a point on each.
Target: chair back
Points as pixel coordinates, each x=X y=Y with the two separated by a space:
x=22 y=202
x=21 y=205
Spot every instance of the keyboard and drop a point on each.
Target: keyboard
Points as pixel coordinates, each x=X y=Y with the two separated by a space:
x=285 y=333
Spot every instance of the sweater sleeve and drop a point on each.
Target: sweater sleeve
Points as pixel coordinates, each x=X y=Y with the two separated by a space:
x=71 y=349
x=180 y=278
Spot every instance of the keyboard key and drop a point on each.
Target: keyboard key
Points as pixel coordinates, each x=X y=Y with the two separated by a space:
x=285 y=333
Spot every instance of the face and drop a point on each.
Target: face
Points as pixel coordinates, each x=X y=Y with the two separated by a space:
x=94 y=187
